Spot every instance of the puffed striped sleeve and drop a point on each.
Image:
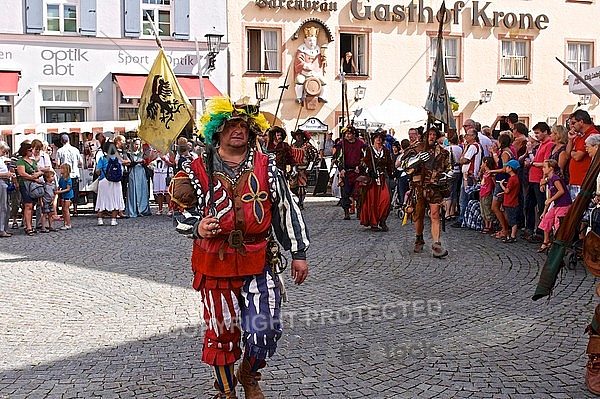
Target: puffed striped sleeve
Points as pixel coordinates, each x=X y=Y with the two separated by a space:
x=287 y=220
x=185 y=220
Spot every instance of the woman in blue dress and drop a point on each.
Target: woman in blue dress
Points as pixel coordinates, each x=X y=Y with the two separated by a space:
x=138 y=194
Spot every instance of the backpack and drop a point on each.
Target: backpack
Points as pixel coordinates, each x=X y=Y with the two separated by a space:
x=114 y=170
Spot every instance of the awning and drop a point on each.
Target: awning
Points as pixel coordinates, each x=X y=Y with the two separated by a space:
x=9 y=82
x=132 y=85
x=592 y=76
x=70 y=127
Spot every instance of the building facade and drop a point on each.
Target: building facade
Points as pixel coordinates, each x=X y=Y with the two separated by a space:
x=504 y=47
x=76 y=65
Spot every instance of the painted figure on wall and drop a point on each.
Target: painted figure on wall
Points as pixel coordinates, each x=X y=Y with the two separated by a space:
x=309 y=64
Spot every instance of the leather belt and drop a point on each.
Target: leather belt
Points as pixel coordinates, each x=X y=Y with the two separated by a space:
x=236 y=239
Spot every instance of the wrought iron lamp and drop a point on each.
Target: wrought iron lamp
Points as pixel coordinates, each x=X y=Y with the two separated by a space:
x=359 y=93
x=213 y=41
x=261 y=89
x=486 y=96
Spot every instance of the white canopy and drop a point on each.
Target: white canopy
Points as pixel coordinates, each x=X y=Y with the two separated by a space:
x=392 y=114
x=591 y=75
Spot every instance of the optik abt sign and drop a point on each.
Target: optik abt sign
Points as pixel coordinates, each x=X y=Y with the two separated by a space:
x=62 y=62
x=418 y=12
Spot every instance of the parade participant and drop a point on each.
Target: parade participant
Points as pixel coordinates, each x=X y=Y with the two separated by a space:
x=305 y=154
x=431 y=171
x=309 y=63
x=376 y=199
x=277 y=146
x=230 y=200
x=349 y=151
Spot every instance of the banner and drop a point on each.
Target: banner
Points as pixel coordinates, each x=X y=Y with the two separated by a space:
x=164 y=108
x=438 y=100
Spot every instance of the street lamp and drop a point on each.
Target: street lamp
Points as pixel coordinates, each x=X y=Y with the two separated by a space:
x=213 y=41
x=486 y=96
x=261 y=89
x=359 y=93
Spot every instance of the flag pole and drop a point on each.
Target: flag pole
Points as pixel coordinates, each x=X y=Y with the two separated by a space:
x=154 y=32
x=200 y=75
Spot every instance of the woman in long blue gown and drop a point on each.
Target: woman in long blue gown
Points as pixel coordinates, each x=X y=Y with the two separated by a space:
x=138 y=194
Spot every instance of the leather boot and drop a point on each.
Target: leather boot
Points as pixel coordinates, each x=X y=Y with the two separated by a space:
x=384 y=226
x=438 y=251
x=346 y=214
x=249 y=382
x=419 y=244
x=592 y=368
x=224 y=395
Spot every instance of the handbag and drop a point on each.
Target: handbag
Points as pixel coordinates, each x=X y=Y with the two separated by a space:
x=93 y=186
x=34 y=188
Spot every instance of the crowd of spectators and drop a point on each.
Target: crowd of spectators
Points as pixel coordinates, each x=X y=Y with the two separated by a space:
x=528 y=180
x=57 y=170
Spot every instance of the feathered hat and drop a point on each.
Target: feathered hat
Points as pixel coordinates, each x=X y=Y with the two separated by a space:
x=221 y=109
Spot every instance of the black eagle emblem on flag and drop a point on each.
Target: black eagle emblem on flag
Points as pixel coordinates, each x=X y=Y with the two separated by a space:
x=161 y=102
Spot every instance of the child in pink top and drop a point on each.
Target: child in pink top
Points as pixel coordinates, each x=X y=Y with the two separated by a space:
x=488 y=183
x=557 y=203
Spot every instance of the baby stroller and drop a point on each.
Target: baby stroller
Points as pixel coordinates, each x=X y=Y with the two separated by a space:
x=400 y=207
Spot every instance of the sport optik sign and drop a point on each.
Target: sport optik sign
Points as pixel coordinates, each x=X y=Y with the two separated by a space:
x=417 y=12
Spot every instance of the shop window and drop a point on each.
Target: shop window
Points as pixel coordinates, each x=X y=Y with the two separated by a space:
x=451 y=56
x=128 y=108
x=66 y=95
x=264 y=50
x=514 y=61
x=579 y=55
x=357 y=45
x=6 y=117
x=61 y=17
x=160 y=12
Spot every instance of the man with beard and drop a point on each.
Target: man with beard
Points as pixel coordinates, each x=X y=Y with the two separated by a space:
x=349 y=152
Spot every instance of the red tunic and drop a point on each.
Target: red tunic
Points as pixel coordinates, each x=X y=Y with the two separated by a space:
x=249 y=199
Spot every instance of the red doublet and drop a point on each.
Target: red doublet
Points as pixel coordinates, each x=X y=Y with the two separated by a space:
x=243 y=206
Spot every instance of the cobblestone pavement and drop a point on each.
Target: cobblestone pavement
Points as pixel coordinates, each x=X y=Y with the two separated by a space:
x=108 y=312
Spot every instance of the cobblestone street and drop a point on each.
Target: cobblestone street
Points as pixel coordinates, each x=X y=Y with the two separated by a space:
x=109 y=312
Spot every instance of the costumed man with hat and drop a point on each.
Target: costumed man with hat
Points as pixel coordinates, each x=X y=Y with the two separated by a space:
x=277 y=146
x=431 y=172
x=376 y=198
x=349 y=151
x=232 y=201
x=304 y=154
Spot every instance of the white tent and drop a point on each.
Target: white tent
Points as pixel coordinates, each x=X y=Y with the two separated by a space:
x=393 y=114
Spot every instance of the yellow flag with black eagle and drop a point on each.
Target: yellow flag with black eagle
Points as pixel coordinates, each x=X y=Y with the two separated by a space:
x=164 y=108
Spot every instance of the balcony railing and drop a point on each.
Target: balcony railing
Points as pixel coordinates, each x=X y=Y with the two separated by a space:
x=516 y=67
